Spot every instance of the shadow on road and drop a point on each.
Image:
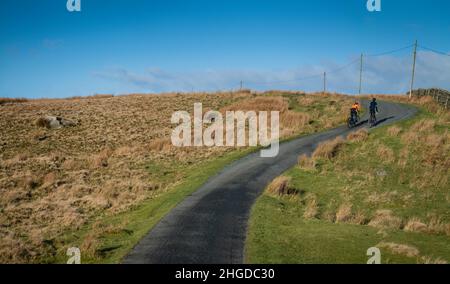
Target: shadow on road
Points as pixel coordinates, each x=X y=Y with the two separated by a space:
x=361 y=123
x=384 y=120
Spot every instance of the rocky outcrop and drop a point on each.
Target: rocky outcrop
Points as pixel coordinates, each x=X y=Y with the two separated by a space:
x=54 y=122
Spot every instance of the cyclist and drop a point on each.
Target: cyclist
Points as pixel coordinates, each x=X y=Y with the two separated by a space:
x=354 y=111
x=373 y=109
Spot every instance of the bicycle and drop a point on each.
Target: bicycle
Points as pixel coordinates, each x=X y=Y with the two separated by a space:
x=352 y=120
x=373 y=119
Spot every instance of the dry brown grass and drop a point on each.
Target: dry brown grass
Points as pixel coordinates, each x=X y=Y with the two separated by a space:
x=4 y=101
x=410 y=137
x=385 y=219
x=424 y=125
x=394 y=131
x=386 y=154
x=311 y=208
x=344 y=213
x=101 y=159
x=306 y=163
x=269 y=103
x=291 y=122
x=415 y=225
x=437 y=226
x=55 y=180
x=400 y=249
x=380 y=197
x=328 y=149
x=358 y=136
x=430 y=260
x=359 y=218
x=281 y=186
x=160 y=144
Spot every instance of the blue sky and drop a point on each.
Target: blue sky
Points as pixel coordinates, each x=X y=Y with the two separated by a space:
x=120 y=46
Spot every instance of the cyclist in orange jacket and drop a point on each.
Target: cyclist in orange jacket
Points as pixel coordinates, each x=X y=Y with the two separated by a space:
x=356 y=108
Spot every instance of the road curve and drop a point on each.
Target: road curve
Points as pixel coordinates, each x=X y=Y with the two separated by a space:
x=209 y=226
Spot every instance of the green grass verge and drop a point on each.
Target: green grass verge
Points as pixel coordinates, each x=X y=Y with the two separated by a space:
x=139 y=220
x=278 y=232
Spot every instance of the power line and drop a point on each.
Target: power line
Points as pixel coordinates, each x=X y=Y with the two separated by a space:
x=389 y=52
x=307 y=77
x=359 y=59
x=343 y=67
x=332 y=71
x=434 y=50
x=286 y=81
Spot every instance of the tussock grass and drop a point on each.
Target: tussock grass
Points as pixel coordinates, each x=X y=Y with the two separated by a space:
x=101 y=159
x=160 y=144
x=306 y=163
x=401 y=249
x=328 y=149
x=358 y=136
x=392 y=185
x=281 y=186
x=394 y=131
x=437 y=226
x=344 y=213
x=430 y=260
x=385 y=219
x=311 y=208
x=386 y=154
x=415 y=225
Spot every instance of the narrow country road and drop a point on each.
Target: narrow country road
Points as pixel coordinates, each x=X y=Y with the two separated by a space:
x=209 y=226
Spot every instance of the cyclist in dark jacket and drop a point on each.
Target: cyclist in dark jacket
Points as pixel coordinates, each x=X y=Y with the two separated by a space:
x=373 y=109
x=373 y=106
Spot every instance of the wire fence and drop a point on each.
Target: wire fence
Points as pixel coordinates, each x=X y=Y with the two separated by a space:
x=439 y=95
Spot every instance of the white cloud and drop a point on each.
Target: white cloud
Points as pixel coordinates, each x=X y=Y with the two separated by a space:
x=385 y=74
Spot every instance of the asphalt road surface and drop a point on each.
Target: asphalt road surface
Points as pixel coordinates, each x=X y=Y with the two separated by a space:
x=210 y=225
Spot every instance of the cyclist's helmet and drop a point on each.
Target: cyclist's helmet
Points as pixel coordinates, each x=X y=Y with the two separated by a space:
x=374 y=100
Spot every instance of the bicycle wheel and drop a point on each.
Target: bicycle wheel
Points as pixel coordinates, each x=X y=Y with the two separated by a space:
x=372 y=120
x=349 y=123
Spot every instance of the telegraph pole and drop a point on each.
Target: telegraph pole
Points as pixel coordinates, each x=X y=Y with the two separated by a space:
x=360 y=75
x=242 y=83
x=324 y=83
x=413 y=70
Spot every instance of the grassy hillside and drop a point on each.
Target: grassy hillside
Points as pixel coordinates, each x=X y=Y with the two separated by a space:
x=388 y=189
x=102 y=184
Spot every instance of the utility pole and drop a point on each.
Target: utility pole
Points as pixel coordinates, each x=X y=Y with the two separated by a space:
x=360 y=75
x=413 y=70
x=242 y=83
x=324 y=83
